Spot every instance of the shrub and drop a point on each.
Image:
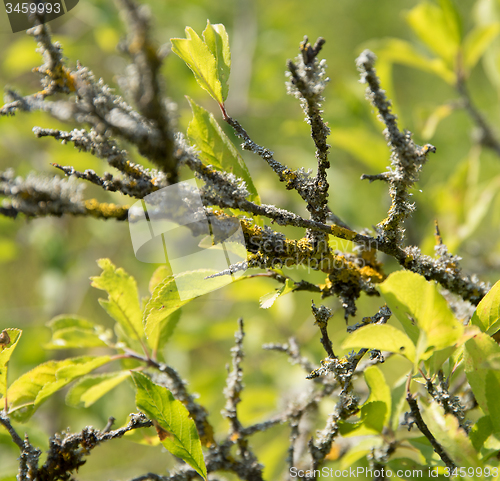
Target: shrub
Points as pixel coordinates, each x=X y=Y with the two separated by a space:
x=433 y=321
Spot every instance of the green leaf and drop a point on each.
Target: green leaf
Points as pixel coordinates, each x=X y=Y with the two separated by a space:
x=28 y=391
x=450 y=436
x=480 y=432
x=404 y=53
x=159 y=275
x=382 y=337
x=492 y=388
x=166 y=300
x=487 y=313
x=379 y=390
x=90 y=389
x=398 y=402
x=438 y=28
x=176 y=429
x=75 y=332
x=359 y=450
x=477 y=351
x=6 y=351
x=209 y=59
x=452 y=19
x=376 y=411
x=477 y=41
x=372 y=421
x=422 y=310
x=267 y=300
x=216 y=149
x=123 y=301
x=168 y=328
x=217 y=41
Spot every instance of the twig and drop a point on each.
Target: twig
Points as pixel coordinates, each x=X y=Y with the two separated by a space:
x=487 y=137
x=307 y=82
x=322 y=314
x=146 y=84
x=234 y=384
x=407 y=158
x=5 y=422
x=417 y=419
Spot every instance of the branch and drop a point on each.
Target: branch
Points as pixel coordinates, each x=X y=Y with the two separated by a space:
x=407 y=158
x=145 y=84
x=322 y=315
x=322 y=445
x=417 y=419
x=104 y=148
x=293 y=351
x=234 y=384
x=487 y=137
x=307 y=81
x=5 y=422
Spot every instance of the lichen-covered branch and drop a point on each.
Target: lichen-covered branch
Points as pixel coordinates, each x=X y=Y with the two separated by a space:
x=145 y=84
x=297 y=180
x=307 y=82
x=407 y=158
x=234 y=384
x=107 y=149
x=344 y=369
x=56 y=77
x=322 y=444
x=322 y=314
x=450 y=404
x=96 y=104
x=66 y=452
x=417 y=419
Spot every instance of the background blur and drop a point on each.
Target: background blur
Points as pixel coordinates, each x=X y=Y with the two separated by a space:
x=45 y=264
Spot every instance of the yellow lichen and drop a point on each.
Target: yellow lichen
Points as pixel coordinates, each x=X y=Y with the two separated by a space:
x=104 y=210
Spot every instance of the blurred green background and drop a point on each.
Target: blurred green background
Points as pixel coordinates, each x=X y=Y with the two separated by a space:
x=45 y=264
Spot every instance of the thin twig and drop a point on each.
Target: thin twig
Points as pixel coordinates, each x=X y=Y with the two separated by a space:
x=417 y=419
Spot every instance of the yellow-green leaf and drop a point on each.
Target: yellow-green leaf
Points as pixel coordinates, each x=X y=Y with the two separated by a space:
x=477 y=352
x=267 y=300
x=209 y=59
x=216 y=149
x=379 y=389
x=383 y=337
x=27 y=392
x=450 y=436
x=75 y=332
x=91 y=388
x=437 y=28
x=6 y=351
x=176 y=428
x=123 y=301
x=166 y=300
x=159 y=275
x=477 y=41
x=422 y=310
x=487 y=313
x=217 y=41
